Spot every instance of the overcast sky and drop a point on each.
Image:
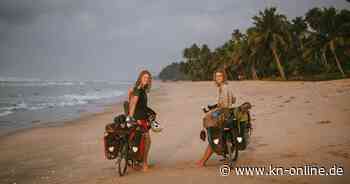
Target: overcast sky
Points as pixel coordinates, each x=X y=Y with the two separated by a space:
x=115 y=39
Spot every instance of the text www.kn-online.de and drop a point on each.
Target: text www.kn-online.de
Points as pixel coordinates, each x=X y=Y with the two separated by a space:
x=306 y=170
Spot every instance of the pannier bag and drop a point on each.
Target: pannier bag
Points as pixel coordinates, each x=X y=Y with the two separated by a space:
x=111 y=137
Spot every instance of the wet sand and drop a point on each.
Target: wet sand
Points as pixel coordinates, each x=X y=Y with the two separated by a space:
x=295 y=123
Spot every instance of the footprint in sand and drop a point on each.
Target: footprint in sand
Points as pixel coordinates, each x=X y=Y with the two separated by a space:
x=340 y=153
x=287 y=101
x=261 y=145
x=324 y=122
x=288 y=155
x=334 y=145
x=340 y=90
x=251 y=149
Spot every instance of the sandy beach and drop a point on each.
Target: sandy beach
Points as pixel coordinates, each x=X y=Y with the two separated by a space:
x=295 y=123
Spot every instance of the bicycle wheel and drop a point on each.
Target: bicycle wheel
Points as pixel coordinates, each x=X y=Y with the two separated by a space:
x=232 y=148
x=122 y=161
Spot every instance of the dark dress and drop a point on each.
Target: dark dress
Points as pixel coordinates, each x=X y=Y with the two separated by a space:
x=141 y=116
x=141 y=106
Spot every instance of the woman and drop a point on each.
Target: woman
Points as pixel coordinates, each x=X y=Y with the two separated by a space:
x=138 y=109
x=225 y=100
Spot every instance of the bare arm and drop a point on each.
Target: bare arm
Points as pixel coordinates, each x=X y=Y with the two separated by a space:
x=132 y=105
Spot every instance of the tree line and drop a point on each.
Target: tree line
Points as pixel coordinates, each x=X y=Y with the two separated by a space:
x=314 y=46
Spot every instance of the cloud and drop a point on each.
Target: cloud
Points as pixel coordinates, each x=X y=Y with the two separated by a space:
x=114 y=39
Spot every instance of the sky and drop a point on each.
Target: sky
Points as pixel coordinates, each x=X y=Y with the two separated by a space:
x=115 y=39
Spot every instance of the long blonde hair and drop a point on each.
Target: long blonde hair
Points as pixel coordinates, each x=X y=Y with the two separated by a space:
x=138 y=81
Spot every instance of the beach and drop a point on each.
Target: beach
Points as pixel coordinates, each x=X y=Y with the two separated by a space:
x=295 y=123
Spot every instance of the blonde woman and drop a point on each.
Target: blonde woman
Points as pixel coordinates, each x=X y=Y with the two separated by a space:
x=225 y=99
x=138 y=109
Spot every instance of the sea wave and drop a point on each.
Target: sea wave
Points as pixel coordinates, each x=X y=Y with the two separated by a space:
x=5 y=113
x=18 y=79
x=38 y=83
x=93 y=96
x=60 y=101
x=4 y=83
x=18 y=106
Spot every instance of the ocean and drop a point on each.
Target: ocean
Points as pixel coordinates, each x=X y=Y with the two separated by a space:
x=31 y=103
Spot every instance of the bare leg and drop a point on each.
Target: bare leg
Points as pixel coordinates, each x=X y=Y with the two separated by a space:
x=147 y=148
x=207 y=122
x=208 y=152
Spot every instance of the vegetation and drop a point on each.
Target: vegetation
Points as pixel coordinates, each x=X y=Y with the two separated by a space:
x=173 y=72
x=306 y=48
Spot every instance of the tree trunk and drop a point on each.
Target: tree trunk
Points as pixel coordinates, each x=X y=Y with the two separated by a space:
x=279 y=66
x=229 y=75
x=337 y=60
x=324 y=58
x=253 y=70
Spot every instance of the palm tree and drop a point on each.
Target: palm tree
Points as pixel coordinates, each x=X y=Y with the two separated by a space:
x=197 y=64
x=328 y=32
x=319 y=42
x=244 y=54
x=271 y=30
x=204 y=62
x=222 y=57
x=237 y=59
x=297 y=29
x=237 y=43
x=192 y=65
